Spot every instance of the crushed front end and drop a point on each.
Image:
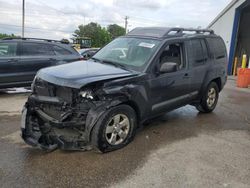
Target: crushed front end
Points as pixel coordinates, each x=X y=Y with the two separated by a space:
x=55 y=117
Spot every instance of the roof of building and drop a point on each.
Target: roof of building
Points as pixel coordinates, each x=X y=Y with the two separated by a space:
x=230 y=5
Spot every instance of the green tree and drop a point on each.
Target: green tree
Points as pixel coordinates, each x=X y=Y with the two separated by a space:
x=99 y=36
x=116 y=30
x=3 y=35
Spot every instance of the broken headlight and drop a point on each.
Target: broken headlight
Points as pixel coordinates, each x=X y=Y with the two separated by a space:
x=87 y=94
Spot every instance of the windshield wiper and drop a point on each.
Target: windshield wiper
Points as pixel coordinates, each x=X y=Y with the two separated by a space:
x=110 y=62
x=114 y=64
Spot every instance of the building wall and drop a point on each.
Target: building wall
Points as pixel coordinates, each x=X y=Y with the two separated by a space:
x=223 y=26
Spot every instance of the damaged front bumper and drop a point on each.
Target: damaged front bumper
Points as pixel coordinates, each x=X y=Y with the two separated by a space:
x=45 y=131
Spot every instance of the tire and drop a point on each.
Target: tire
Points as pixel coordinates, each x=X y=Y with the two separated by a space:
x=111 y=131
x=208 y=104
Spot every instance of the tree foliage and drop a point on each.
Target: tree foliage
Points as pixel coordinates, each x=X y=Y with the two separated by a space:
x=3 y=35
x=98 y=35
x=116 y=30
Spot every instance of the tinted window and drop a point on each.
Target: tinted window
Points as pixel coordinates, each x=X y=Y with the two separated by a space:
x=217 y=48
x=195 y=52
x=8 y=49
x=61 y=51
x=205 y=51
x=35 y=49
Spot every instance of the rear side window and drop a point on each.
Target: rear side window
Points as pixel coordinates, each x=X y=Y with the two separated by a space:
x=205 y=51
x=35 y=49
x=61 y=51
x=196 y=52
x=217 y=48
x=8 y=49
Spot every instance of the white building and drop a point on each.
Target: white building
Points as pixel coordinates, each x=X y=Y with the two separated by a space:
x=233 y=25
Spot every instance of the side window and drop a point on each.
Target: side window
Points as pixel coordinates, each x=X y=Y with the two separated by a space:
x=217 y=48
x=205 y=50
x=8 y=49
x=195 y=54
x=35 y=49
x=173 y=54
x=61 y=51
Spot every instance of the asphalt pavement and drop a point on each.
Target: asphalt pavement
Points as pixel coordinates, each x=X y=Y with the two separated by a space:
x=183 y=148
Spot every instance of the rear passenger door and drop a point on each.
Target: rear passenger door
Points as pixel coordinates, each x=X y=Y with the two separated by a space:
x=198 y=61
x=35 y=56
x=9 y=63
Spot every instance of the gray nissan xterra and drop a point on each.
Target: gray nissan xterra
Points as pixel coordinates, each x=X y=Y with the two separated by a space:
x=101 y=102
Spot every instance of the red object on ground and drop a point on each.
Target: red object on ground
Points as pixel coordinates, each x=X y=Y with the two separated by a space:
x=243 y=79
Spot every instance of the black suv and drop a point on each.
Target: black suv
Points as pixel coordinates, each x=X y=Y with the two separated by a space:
x=21 y=58
x=101 y=102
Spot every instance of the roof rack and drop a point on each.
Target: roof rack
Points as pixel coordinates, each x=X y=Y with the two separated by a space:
x=39 y=39
x=163 y=32
x=182 y=30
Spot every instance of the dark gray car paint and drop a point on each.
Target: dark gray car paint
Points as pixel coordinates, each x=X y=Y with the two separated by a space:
x=81 y=73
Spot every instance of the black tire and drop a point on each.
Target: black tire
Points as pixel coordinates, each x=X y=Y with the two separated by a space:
x=98 y=134
x=204 y=106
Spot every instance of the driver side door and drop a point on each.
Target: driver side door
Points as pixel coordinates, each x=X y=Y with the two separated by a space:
x=170 y=90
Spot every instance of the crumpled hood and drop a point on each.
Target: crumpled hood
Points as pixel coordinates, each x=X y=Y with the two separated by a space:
x=81 y=73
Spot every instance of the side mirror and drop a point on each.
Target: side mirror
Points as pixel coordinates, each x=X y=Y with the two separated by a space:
x=85 y=56
x=168 y=67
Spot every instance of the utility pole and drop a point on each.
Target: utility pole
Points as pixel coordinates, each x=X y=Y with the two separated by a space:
x=126 y=23
x=23 y=18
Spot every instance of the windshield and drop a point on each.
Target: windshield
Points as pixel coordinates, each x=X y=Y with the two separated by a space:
x=131 y=53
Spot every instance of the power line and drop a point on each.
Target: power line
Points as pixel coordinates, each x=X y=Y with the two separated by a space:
x=35 y=28
x=65 y=13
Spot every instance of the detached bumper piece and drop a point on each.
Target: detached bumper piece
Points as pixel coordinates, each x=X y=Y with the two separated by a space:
x=43 y=131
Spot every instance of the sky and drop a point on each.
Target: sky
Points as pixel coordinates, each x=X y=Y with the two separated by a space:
x=57 y=19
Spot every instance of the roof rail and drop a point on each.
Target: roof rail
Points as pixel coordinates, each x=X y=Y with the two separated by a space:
x=165 y=32
x=181 y=30
x=39 y=39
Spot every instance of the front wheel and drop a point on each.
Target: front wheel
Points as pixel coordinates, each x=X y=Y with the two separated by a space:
x=209 y=99
x=115 y=129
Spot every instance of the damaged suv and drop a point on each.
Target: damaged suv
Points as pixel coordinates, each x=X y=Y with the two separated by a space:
x=100 y=102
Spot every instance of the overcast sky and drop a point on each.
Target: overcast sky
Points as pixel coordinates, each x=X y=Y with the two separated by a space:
x=57 y=19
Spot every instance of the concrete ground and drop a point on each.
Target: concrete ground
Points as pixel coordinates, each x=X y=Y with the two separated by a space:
x=180 y=149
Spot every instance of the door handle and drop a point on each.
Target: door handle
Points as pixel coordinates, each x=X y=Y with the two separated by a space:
x=52 y=59
x=12 y=60
x=186 y=75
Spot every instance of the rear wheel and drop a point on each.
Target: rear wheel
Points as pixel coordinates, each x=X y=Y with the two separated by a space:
x=209 y=99
x=115 y=129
